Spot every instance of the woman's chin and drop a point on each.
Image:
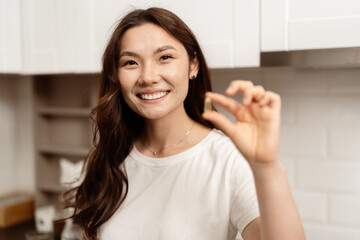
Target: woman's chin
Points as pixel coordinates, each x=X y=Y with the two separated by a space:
x=153 y=115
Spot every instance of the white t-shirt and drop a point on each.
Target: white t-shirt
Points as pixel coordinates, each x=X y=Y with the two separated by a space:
x=204 y=193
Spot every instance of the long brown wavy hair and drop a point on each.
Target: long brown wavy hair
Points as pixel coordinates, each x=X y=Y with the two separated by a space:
x=105 y=183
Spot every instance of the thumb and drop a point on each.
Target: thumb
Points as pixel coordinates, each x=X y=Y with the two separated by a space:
x=220 y=121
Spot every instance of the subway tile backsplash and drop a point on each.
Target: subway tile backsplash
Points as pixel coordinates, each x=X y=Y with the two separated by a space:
x=320 y=143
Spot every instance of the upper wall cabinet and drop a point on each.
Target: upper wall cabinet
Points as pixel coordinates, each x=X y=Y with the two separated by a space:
x=10 y=37
x=308 y=24
x=57 y=36
x=228 y=31
x=69 y=36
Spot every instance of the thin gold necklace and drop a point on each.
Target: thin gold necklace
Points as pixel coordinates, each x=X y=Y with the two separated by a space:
x=171 y=145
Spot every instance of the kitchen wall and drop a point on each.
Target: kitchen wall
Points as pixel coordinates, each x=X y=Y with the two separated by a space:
x=320 y=143
x=17 y=162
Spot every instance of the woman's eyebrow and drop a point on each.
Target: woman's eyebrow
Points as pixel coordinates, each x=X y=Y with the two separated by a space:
x=164 y=48
x=128 y=53
x=159 y=50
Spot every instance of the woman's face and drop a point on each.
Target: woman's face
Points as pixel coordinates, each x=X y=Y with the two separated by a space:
x=154 y=71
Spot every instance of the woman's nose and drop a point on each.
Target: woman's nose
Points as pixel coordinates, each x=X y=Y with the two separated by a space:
x=149 y=74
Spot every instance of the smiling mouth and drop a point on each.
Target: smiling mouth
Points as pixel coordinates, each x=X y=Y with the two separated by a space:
x=153 y=96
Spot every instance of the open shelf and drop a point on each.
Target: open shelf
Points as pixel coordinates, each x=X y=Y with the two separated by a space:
x=63 y=129
x=64 y=112
x=53 y=188
x=64 y=150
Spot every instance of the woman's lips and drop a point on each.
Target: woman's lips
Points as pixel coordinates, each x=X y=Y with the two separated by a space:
x=153 y=96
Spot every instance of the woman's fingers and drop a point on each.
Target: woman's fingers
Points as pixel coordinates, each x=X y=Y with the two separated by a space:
x=253 y=93
x=257 y=93
x=250 y=92
x=220 y=121
x=238 y=86
x=258 y=104
x=264 y=100
x=274 y=100
x=228 y=103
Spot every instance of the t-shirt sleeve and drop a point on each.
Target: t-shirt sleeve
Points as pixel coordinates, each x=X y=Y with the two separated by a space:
x=244 y=205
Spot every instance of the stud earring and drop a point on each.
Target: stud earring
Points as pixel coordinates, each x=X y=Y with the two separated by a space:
x=193 y=77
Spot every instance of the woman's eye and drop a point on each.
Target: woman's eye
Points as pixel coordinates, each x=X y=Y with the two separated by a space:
x=166 y=57
x=130 y=62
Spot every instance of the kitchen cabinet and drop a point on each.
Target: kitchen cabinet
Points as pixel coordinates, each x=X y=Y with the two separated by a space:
x=228 y=31
x=57 y=36
x=307 y=24
x=10 y=41
x=69 y=36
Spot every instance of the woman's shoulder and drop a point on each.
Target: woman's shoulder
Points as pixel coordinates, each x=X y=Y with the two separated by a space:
x=220 y=145
x=220 y=139
x=220 y=152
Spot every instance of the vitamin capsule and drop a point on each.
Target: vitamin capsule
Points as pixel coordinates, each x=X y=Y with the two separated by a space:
x=207 y=105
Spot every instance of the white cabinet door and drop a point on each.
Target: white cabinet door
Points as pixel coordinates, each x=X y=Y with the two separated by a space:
x=65 y=36
x=10 y=41
x=57 y=36
x=309 y=24
x=228 y=30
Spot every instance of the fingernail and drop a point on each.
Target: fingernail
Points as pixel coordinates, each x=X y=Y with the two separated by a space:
x=246 y=100
x=230 y=89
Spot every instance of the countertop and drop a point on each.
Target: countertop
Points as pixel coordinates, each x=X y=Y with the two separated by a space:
x=17 y=232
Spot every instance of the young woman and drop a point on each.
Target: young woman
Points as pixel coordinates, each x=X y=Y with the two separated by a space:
x=159 y=169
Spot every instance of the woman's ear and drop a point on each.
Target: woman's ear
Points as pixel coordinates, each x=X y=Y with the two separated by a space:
x=194 y=68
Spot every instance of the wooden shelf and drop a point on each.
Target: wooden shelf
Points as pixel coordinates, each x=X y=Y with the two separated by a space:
x=64 y=111
x=51 y=188
x=64 y=150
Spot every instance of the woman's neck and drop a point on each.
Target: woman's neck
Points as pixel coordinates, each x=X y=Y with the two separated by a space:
x=170 y=135
x=167 y=131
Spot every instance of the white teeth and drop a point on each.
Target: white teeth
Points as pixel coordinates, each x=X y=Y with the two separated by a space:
x=152 y=96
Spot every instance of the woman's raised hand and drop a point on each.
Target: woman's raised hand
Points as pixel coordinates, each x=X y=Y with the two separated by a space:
x=257 y=127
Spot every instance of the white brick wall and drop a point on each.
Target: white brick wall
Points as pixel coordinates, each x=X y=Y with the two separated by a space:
x=316 y=231
x=337 y=176
x=345 y=142
x=345 y=210
x=320 y=143
x=297 y=141
x=312 y=205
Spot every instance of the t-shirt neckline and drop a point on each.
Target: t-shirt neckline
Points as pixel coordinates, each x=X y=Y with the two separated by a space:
x=137 y=156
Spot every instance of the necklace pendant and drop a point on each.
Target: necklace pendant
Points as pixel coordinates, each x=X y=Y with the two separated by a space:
x=172 y=145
